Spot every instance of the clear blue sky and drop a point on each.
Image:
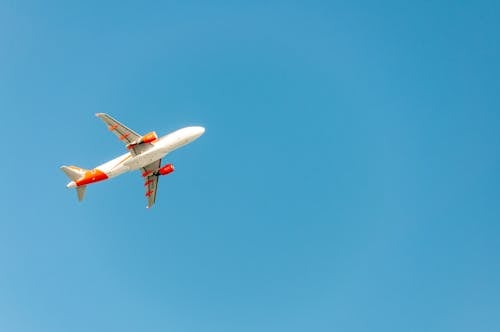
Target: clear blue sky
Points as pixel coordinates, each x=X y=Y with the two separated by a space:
x=348 y=179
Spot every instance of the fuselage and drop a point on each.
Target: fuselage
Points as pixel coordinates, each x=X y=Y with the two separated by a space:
x=156 y=150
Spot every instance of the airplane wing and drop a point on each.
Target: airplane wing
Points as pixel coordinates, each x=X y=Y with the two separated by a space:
x=151 y=181
x=124 y=134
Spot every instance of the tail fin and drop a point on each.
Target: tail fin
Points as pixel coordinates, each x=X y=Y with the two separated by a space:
x=75 y=173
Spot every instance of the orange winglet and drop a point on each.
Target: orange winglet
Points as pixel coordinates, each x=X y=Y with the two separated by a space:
x=91 y=176
x=149 y=193
x=124 y=136
x=148 y=182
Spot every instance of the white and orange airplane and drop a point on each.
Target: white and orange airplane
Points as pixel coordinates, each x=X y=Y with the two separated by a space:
x=145 y=154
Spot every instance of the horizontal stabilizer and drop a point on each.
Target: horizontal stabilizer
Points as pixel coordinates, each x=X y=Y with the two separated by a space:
x=80 y=191
x=73 y=172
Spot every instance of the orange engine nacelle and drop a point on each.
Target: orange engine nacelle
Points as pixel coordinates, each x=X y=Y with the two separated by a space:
x=167 y=169
x=148 y=138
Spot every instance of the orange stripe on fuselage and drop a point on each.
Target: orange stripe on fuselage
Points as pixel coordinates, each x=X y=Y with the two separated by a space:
x=91 y=176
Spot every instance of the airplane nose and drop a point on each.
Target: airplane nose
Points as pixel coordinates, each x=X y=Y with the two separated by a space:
x=200 y=131
x=194 y=132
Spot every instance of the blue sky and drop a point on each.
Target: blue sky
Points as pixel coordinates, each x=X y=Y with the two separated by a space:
x=348 y=179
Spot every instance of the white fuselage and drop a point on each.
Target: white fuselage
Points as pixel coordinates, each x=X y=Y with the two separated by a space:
x=159 y=148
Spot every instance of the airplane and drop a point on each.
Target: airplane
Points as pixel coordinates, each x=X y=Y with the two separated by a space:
x=145 y=154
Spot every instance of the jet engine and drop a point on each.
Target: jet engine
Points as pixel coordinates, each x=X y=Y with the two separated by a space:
x=148 y=138
x=167 y=169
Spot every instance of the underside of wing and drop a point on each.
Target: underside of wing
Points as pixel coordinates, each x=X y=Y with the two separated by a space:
x=151 y=181
x=124 y=134
x=134 y=142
